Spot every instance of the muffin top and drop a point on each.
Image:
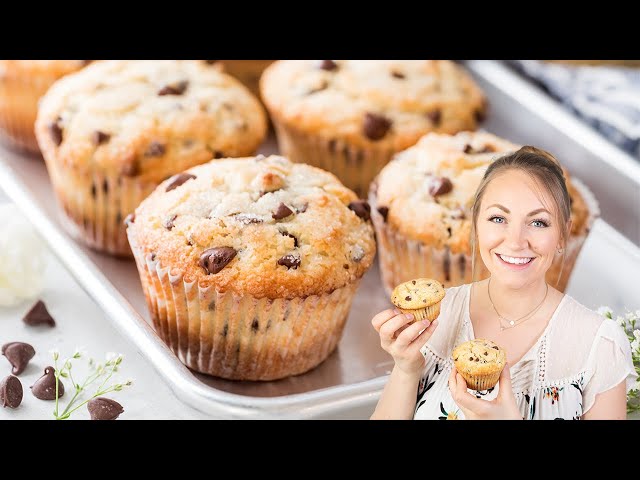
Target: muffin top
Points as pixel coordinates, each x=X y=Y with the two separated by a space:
x=45 y=68
x=388 y=104
x=418 y=293
x=479 y=357
x=262 y=226
x=148 y=118
x=427 y=191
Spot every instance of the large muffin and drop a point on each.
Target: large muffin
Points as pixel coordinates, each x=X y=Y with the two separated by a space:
x=22 y=83
x=350 y=116
x=113 y=131
x=421 y=209
x=480 y=362
x=249 y=266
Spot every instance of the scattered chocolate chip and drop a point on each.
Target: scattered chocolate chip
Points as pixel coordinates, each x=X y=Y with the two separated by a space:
x=398 y=75
x=55 y=130
x=45 y=386
x=328 y=65
x=102 y=408
x=361 y=208
x=384 y=211
x=18 y=354
x=131 y=169
x=177 y=180
x=281 y=212
x=290 y=261
x=215 y=259
x=105 y=186
x=413 y=282
x=375 y=126
x=495 y=348
x=295 y=239
x=131 y=218
x=435 y=116
x=39 y=315
x=152 y=257
x=168 y=222
x=449 y=231
x=93 y=190
x=155 y=149
x=177 y=88
x=345 y=266
x=439 y=186
x=470 y=359
x=424 y=301
x=218 y=154
x=476 y=359
x=486 y=353
x=255 y=325
x=11 y=392
x=407 y=298
x=98 y=137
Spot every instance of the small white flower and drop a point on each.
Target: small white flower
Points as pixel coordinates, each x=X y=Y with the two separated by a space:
x=630 y=316
x=637 y=313
x=55 y=353
x=635 y=345
x=79 y=352
x=636 y=334
x=605 y=311
x=621 y=321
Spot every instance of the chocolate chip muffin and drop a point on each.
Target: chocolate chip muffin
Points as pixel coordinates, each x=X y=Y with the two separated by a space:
x=113 y=131
x=249 y=266
x=420 y=297
x=22 y=83
x=480 y=362
x=421 y=209
x=350 y=116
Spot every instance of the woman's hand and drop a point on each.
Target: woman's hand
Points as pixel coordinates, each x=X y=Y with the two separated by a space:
x=503 y=407
x=403 y=342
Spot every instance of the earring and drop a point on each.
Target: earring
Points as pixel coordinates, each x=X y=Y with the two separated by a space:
x=560 y=250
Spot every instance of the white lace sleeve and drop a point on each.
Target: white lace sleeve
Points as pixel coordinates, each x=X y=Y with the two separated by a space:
x=609 y=363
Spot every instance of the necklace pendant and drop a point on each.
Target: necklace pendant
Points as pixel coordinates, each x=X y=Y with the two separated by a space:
x=512 y=323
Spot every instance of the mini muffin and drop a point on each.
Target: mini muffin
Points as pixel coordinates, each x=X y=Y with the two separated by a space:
x=115 y=130
x=247 y=71
x=249 y=266
x=22 y=83
x=421 y=209
x=350 y=116
x=480 y=362
x=420 y=297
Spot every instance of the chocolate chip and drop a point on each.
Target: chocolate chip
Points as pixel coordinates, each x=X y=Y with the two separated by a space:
x=131 y=169
x=328 y=65
x=155 y=149
x=398 y=75
x=281 y=212
x=18 y=354
x=470 y=359
x=480 y=115
x=407 y=298
x=290 y=261
x=168 y=222
x=413 y=282
x=39 y=315
x=345 y=266
x=218 y=154
x=55 y=130
x=255 y=325
x=102 y=408
x=177 y=88
x=131 y=218
x=361 y=208
x=215 y=259
x=384 y=211
x=435 y=116
x=93 y=190
x=424 y=301
x=495 y=348
x=177 y=180
x=439 y=186
x=375 y=126
x=11 y=392
x=449 y=231
x=98 y=137
x=295 y=239
x=45 y=386
x=486 y=353
x=105 y=186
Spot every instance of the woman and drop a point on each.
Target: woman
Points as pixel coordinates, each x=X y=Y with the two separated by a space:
x=563 y=360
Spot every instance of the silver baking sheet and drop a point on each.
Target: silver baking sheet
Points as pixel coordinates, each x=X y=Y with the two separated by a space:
x=348 y=384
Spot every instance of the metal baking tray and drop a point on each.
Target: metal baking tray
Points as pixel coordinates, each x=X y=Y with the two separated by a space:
x=348 y=384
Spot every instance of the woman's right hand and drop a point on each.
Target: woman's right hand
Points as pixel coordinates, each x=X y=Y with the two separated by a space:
x=403 y=342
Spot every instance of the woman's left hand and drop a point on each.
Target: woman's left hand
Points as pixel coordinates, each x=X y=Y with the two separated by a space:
x=503 y=407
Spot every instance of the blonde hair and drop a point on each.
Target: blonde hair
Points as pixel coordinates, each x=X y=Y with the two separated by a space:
x=546 y=171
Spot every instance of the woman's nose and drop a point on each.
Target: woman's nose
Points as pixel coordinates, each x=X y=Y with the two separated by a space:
x=516 y=238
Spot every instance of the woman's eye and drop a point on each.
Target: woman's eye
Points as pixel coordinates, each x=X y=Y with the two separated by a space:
x=497 y=219
x=541 y=223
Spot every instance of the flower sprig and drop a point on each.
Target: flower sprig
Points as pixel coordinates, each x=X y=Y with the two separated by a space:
x=97 y=371
x=628 y=323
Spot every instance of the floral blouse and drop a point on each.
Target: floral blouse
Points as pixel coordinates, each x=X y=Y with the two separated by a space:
x=579 y=355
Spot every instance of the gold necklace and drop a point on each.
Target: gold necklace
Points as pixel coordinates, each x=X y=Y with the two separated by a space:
x=514 y=323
